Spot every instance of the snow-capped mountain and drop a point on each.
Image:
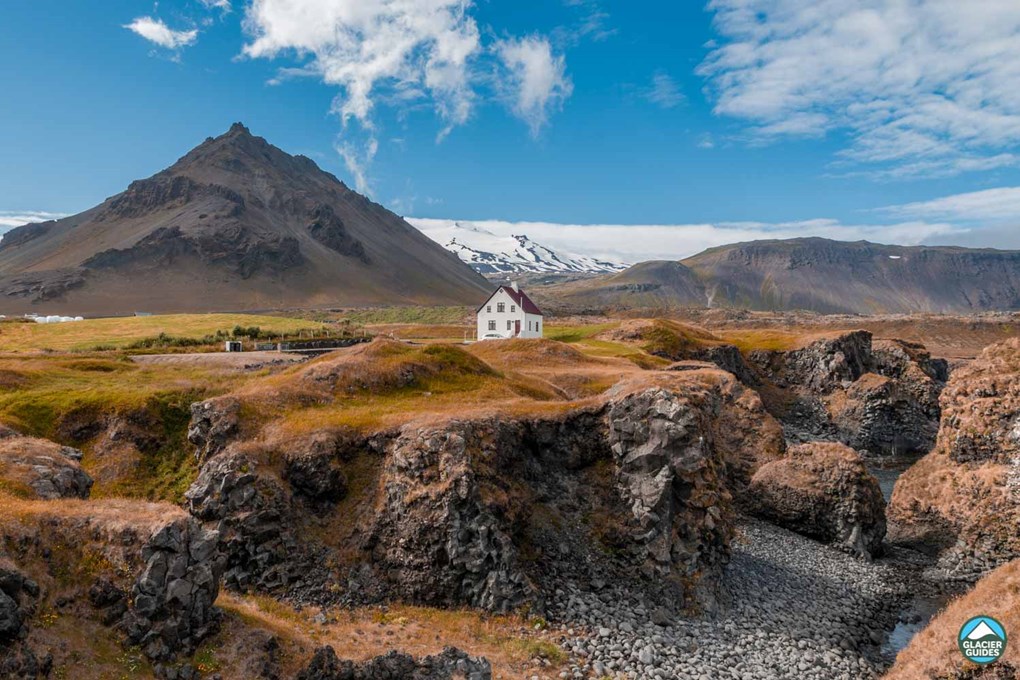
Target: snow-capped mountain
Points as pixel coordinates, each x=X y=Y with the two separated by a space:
x=492 y=253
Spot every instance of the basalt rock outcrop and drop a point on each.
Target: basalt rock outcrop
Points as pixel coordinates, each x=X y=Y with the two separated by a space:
x=450 y=664
x=672 y=478
x=448 y=513
x=251 y=511
x=879 y=397
x=42 y=469
x=822 y=490
x=171 y=606
x=214 y=424
x=19 y=597
x=965 y=495
x=146 y=573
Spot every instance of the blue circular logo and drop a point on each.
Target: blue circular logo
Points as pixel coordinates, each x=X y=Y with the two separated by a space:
x=982 y=640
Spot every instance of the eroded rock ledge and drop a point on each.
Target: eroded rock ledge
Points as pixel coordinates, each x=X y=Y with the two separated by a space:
x=964 y=497
x=475 y=511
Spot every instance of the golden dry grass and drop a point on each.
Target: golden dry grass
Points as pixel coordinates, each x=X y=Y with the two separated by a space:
x=119 y=332
x=508 y=642
x=50 y=387
x=933 y=653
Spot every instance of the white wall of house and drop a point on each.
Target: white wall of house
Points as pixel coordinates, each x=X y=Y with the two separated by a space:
x=501 y=317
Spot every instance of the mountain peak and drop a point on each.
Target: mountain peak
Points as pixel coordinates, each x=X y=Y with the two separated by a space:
x=239 y=129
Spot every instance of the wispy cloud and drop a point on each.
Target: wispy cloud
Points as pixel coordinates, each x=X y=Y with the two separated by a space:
x=223 y=5
x=158 y=33
x=664 y=91
x=923 y=88
x=593 y=24
x=358 y=157
x=988 y=206
x=537 y=81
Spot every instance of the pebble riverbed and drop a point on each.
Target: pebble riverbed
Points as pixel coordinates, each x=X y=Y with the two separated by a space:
x=793 y=608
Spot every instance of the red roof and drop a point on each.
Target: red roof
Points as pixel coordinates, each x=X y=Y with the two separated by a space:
x=518 y=296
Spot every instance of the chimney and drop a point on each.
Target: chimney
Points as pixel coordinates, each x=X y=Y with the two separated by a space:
x=513 y=284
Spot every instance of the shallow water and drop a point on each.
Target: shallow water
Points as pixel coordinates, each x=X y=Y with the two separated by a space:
x=916 y=616
x=888 y=469
x=912 y=621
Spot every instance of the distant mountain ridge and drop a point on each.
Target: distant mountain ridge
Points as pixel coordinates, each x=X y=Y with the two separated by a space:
x=236 y=224
x=490 y=253
x=814 y=274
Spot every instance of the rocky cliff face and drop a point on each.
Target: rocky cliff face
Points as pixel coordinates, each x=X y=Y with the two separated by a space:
x=642 y=485
x=881 y=398
x=965 y=495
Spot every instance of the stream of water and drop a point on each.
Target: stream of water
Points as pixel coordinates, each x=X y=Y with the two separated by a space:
x=925 y=605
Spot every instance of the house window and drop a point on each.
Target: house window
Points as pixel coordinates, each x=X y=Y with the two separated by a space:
x=492 y=325
x=513 y=308
x=488 y=309
x=500 y=307
x=538 y=326
x=508 y=324
x=529 y=325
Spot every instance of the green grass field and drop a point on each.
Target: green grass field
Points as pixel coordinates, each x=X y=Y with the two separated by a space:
x=117 y=333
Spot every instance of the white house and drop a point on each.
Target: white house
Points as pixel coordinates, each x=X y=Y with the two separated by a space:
x=509 y=313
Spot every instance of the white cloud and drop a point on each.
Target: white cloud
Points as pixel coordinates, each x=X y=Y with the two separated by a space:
x=537 y=82
x=988 y=206
x=358 y=161
x=223 y=5
x=15 y=218
x=155 y=31
x=639 y=243
x=664 y=91
x=364 y=46
x=922 y=87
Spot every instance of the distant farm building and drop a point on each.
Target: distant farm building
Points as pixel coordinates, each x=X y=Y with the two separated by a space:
x=509 y=313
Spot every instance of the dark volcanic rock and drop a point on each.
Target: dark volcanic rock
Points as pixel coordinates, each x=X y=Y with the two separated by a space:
x=45 y=468
x=450 y=664
x=172 y=600
x=328 y=229
x=877 y=397
x=821 y=367
x=315 y=476
x=824 y=491
x=214 y=424
x=884 y=415
x=245 y=252
x=434 y=536
x=18 y=595
x=673 y=481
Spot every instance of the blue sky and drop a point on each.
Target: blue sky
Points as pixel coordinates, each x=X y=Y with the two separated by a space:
x=890 y=120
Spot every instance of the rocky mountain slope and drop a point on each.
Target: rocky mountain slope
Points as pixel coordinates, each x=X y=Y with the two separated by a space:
x=814 y=274
x=490 y=253
x=236 y=224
